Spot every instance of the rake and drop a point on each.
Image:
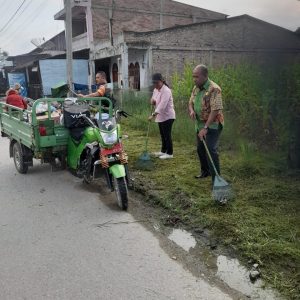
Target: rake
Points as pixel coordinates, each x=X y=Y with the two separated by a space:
x=144 y=162
x=222 y=191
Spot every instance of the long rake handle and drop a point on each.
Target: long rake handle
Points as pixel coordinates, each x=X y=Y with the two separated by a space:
x=147 y=137
x=148 y=130
x=210 y=158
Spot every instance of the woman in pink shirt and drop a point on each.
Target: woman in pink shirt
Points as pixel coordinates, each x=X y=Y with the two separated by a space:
x=164 y=115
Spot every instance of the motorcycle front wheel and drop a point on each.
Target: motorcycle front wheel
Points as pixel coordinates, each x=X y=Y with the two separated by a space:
x=121 y=190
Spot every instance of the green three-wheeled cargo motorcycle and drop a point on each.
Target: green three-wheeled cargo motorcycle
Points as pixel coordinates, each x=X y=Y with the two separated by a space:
x=80 y=134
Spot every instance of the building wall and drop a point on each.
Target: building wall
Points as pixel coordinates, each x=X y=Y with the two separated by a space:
x=134 y=56
x=264 y=35
x=118 y=61
x=231 y=41
x=58 y=42
x=144 y=15
x=140 y=57
x=78 y=27
x=168 y=62
x=230 y=34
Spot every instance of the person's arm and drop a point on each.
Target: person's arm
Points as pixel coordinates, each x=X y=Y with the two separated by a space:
x=164 y=100
x=99 y=93
x=24 y=103
x=152 y=100
x=191 y=105
x=211 y=118
x=216 y=106
x=92 y=95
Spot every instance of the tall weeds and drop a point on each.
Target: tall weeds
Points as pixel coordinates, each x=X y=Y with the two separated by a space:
x=261 y=106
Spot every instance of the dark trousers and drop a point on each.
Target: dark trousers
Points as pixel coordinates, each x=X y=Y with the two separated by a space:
x=165 y=129
x=212 y=141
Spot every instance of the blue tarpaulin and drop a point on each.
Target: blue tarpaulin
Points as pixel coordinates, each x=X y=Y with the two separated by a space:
x=54 y=71
x=20 y=78
x=83 y=88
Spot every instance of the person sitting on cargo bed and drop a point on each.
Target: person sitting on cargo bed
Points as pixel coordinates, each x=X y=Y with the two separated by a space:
x=101 y=83
x=13 y=98
x=102 y=90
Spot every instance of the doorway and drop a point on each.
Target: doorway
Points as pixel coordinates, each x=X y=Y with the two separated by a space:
x=134 y=76
x=115 y=75
x=104 y=66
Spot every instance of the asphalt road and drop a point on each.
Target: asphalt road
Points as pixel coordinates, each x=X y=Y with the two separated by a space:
x=52 y=248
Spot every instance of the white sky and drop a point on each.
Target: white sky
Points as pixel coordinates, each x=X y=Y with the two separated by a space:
x=35 y=18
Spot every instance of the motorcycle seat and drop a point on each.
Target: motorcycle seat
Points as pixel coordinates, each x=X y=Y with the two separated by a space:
x=77 y=133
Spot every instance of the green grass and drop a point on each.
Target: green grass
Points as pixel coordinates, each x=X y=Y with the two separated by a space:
x=262 y=223
x=262 y=102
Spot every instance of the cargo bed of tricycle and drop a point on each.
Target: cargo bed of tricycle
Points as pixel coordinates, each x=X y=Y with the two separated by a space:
x=38 y=135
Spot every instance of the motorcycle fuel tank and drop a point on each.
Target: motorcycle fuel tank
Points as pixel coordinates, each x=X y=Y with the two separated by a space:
x=92 y=135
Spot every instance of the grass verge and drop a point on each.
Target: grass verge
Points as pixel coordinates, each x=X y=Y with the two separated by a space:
x=261 y=224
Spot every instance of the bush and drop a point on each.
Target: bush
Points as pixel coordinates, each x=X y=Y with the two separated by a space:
x=262 y=107
x=261 y=104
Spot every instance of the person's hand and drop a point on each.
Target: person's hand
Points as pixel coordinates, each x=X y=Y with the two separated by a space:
x=192 y=114
x=150 y=118
x=153 y=102
x=80 y=95
x=202 y=133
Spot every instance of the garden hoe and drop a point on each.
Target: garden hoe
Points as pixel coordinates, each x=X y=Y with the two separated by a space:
x=221 y=189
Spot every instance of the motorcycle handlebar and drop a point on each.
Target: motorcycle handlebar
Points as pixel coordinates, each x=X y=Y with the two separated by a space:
x=123 y=113
x=88 y=120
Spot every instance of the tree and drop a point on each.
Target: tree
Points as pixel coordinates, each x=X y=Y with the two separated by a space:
x=3 y=54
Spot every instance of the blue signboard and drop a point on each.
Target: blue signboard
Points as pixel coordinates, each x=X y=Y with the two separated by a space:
x=54 y=71
x=20 y=78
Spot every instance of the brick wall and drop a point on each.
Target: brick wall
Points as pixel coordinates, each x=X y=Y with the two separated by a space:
x=231 y=41
x=169 y=61
x=144 y=15
x=232 y=34
x=264 y=35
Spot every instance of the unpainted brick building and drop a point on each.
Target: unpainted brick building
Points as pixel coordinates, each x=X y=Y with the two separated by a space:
x=217 y=43
x=130 y=40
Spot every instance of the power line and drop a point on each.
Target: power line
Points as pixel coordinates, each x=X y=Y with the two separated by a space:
x=29 y=18
x=2 y=3
x=11 y=18
x=7 y=7
x=7 y=32
x=16 y=32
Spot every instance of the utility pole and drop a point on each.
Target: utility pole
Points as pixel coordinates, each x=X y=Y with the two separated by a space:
x=68 y=26
x=161 y=16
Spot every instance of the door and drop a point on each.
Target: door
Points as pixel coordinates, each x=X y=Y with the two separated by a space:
x=115 y=74
x=137 y=76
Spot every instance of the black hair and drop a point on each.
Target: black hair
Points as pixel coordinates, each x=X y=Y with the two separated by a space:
x=159 y=77
x=102 y=74
x=202 y=69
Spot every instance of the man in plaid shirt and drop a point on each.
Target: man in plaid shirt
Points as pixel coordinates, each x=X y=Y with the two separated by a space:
x=205 y=108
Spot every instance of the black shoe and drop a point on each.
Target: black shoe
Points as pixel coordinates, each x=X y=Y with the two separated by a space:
x=202 y=175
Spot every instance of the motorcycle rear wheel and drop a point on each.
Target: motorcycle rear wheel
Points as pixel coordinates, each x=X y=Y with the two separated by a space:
x=20 y=165
x=121 y=191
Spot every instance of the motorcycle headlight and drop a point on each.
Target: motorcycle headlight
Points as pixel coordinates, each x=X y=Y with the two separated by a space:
x=110 y=138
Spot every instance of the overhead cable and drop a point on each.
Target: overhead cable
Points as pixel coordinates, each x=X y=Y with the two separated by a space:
x=12 y=17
